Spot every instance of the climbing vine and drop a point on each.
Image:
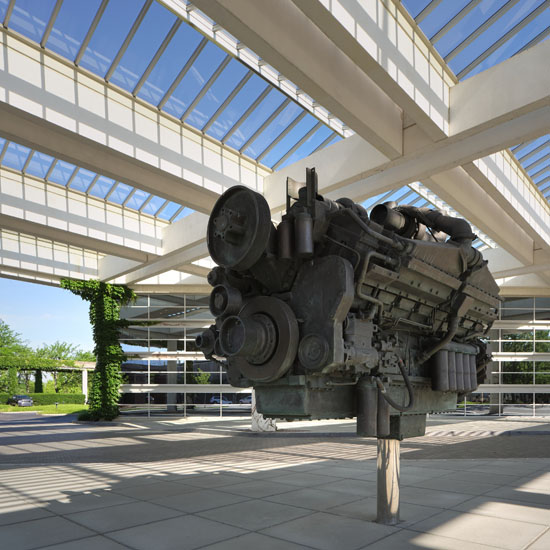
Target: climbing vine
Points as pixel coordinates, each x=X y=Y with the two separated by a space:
x=105 y=303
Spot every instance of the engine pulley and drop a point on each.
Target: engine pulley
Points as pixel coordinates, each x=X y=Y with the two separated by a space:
x=239 y=228
x=262 y=341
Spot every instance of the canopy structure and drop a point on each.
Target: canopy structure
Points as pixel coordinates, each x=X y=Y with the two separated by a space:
x=122 y=121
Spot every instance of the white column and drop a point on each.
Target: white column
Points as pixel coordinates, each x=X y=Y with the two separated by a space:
x=85 y=384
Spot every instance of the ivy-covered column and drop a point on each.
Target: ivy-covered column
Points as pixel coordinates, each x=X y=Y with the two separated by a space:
x=105 y=302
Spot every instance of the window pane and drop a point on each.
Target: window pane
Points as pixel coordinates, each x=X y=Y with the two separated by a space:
x=16 y=156
x=107 y=39
x=144 y=45
x=71 y=25
x=30 y=17
x=61 y=172
x=39 y=164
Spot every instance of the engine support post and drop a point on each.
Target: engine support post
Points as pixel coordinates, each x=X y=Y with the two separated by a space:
x=387 y=486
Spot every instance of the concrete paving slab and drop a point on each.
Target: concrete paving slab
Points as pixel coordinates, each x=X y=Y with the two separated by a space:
x=19 y=511
x=431 y=497
x=505 y=534
x=313 y=498
x=459 y=486
x=200 y=500
x=41 y=532
x=155 y=490
x=328 y=531
x=304 y=479
x=75 y=501
x=350 y=487
x=91 y=543
x=256 y=541
x=255 y=514
x=184 y=533
x=365 y=510
x=542 y=543
x=507 y=509
x=411 y=540
x=113 y=518
x=257 y=489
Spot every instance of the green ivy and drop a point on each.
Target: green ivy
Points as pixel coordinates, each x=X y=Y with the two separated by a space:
x=105 y=303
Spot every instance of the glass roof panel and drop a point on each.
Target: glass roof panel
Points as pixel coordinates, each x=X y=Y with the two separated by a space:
x=30 y=17
x=137 y=199
x=440 y=15
x=278 y=125
x=153 y=205
x=530 y=147
x=181 y=48
x=39 y=165
x=101 y=187
x=192 y=83
x=3 y=8
x=144 y=45
x=494 y=32
x=227 y=118
x=295 y=135
x=414 y=7
x=61 y=173
x=457 y=34
x=309 y=145
x=71 y=25
x=15 y=156
x=169 y=210
x=109 y=36
x=258 y=116
x=185 y=212
x=82 y=180
x=120 y=194
x=216 y=95
x=516 y=41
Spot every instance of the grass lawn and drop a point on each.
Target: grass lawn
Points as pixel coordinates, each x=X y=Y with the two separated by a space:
x=47 y=409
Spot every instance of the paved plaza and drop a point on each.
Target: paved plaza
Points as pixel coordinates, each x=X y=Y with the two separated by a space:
x=155 y=484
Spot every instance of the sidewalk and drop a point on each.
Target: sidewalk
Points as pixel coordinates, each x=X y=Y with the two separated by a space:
x=166 y=483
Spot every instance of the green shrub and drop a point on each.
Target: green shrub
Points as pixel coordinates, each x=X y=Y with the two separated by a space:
x=53 y=398
x=49 y=398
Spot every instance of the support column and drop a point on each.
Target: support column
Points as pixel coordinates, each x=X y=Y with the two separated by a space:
x=172 y=377
x=85 y=384
x=387 y=486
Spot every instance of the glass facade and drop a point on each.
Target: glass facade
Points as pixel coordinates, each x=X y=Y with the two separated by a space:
x=164 y=372
x=520 y=343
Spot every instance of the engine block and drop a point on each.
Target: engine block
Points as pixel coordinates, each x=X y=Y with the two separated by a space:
x=332 y=314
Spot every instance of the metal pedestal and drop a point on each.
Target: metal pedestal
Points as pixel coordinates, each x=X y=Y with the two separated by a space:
x=387 y=486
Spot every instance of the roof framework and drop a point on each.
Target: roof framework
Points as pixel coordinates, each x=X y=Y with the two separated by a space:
x=236 y=105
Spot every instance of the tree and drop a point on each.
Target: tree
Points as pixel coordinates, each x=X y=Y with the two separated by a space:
x=58 y=351
x=12 y=349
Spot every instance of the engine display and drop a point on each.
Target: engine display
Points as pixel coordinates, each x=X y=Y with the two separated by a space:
x=332 y=314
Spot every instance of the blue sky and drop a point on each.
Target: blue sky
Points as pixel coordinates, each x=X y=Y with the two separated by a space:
x=43 y=314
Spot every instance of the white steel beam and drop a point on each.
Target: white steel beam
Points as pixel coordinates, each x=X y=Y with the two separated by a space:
x=504 y=92
x=38 y=207
x=25 y=255
x=183 y=243
x=50 y=105
x=287 y=39
x=385 y=43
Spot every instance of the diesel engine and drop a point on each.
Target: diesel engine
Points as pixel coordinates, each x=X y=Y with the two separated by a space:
x=332 y=314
